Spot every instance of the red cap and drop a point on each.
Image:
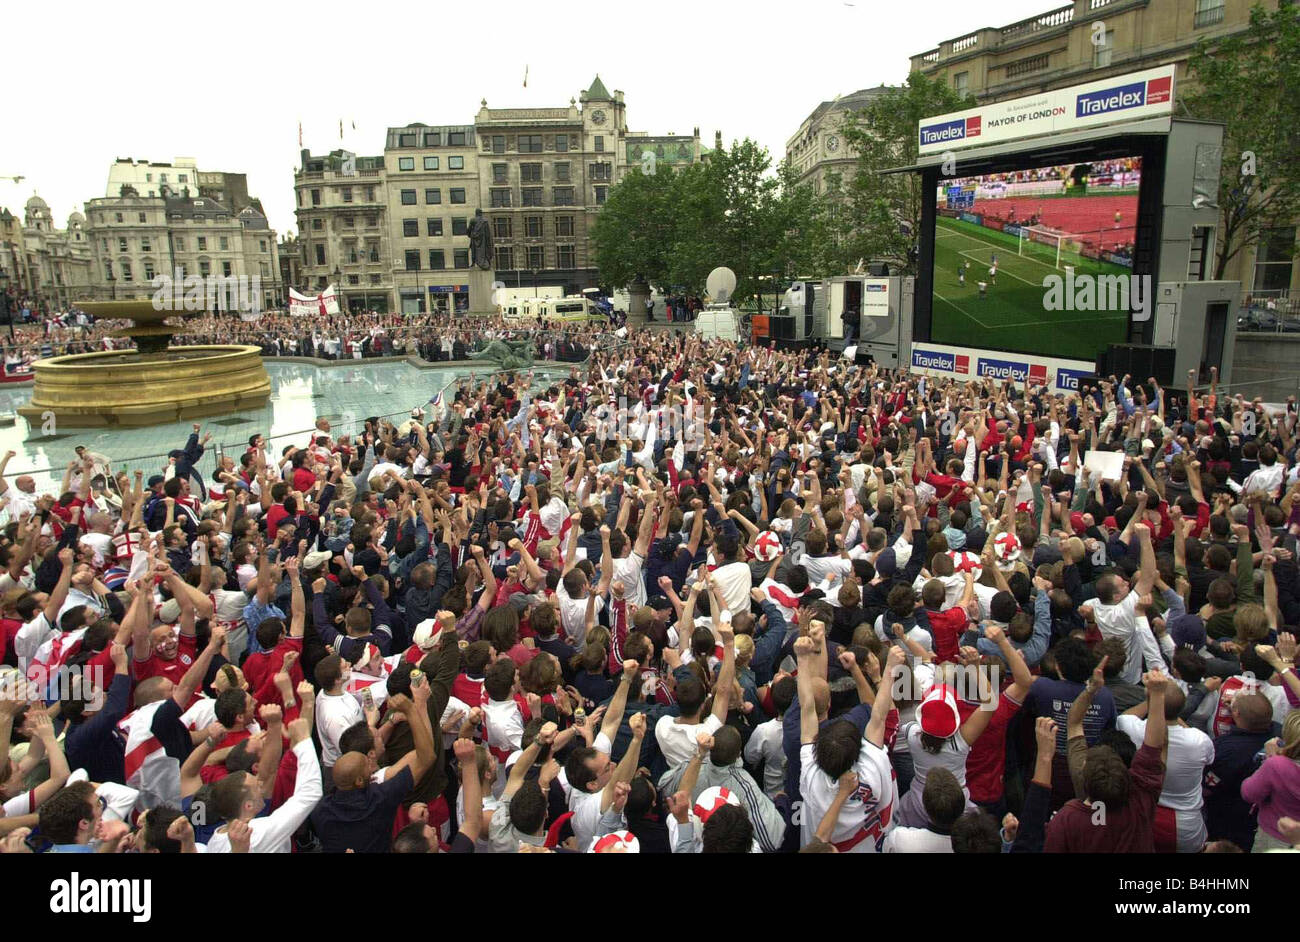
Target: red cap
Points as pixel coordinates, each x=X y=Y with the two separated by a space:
x=938 y=713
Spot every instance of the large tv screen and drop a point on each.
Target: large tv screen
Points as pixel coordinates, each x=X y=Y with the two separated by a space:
x=1001 y=236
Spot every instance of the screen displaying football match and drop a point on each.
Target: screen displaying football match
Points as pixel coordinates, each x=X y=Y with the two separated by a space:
x=999 y=236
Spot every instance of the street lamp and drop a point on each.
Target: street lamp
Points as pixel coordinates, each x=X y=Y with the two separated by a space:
x=112 y=284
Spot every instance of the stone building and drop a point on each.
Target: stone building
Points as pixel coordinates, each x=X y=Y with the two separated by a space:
x=818 y=148
x=58 y=262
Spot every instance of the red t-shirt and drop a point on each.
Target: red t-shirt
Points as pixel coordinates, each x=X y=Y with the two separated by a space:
x=274 y=515
x=174 y=670
x=986 y=765
x=261 y=667
x=946 y=628
x=303 y=480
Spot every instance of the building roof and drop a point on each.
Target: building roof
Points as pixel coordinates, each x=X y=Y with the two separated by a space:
x=37 y=203
x=598 y=89
x=196 y=205
x=852 y=101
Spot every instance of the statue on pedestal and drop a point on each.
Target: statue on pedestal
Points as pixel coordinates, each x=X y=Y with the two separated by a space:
x=480 y=241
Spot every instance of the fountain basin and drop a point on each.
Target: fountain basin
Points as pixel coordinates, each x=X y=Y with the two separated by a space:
x=129 y=388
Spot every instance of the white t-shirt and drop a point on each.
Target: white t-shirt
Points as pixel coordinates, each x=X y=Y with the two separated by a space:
x=334 y=714
x=1120 y=621
x=573 y=613
x=1190 y=752
x=951 y=757
x=870 y=809
x=917 y=841
x=764 y=748
x=628 y=570
x=677 y=740
x=734 y=583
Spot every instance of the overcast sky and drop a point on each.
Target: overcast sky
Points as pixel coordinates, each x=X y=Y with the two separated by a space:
x=227 y=83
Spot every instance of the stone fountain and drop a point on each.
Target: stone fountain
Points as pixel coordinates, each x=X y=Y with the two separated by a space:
x=154 y=384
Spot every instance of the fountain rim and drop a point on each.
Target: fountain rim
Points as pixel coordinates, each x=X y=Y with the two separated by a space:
x=94 y=360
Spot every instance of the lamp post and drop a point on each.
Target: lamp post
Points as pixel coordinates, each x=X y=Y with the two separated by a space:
x=112 y=284
x=5 y=310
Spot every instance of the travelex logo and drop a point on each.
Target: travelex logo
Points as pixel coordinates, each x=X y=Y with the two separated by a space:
x=1134 y=95
x=938 y=360
x=1068 y=380
x=1009 y=369
x=876 y=287
x=957 y=130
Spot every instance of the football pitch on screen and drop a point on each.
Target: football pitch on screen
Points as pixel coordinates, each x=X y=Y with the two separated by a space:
x=1011 y=315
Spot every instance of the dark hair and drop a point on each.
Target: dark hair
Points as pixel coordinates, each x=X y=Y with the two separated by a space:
x=726 y=746
x=783 y=693
x=156 y=823
x=1074 y=659
x=411 y=840
x=357 y=738
x=230 y=703
x=59 y=817
x=1105 y=777
x=943 y=798
x=576 y=770
x=528 y=808
x=837 y=747
x=728 y=831
x=976 y=833
x=500 y=679
x=269 y=631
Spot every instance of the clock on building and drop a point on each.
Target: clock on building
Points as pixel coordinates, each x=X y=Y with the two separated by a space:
x=598 y=117
x=832 y=143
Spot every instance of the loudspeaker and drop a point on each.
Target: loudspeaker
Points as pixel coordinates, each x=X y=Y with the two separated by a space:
x=1139 y=361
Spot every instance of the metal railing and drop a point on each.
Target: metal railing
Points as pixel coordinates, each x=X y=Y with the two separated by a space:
x=1270 y=312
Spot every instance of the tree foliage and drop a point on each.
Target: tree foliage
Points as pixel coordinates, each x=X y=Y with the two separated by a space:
x=877 y=216
x=1250 y=82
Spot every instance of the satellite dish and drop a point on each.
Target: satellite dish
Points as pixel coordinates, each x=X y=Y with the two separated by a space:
x=720 y=284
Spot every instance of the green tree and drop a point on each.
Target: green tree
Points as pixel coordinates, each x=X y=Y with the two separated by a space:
x=635 y=231
x=1251 y=82
x=878 y=216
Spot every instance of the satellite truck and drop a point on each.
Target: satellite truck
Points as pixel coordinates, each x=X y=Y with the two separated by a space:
x=718 y=319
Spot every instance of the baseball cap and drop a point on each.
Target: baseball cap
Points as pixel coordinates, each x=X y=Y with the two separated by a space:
x=1187 y=630
x=658 y=602
x=887 y=563
x=938 y=713
x=169 y=611
x=315 y=560
x=713 y=798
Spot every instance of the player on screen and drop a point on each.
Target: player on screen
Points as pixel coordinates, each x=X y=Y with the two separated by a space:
x=984 y=287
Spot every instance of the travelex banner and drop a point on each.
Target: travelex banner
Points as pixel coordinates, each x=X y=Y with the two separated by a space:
x=1122 y=98
x=967 y=363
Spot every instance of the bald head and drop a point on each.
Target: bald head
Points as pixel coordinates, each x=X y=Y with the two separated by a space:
x=350 y=772
x=151 y=690
x=1252 y=711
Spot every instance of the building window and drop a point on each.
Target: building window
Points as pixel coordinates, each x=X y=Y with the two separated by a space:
x=108 y=271
x=318 y=223
x=126 y=271
x=408 y=197
x=561 y=143
x=498 y=143
x=261 y=245
x=315 y=200
x=350 y=252
x=372 y=220
x=431 y=163
x=456 y=139
x=148 y=271
x=457 y=194
x=564 y=225
x=119 y=217
x=530 y=143
x=499 y=173
x=433 y=226
x=500 y=198
x=501 y=227
x=180 y=244
x=205 y=268
x=460 y=258
x=432 y=197
x=349 y=221
x=146 y=244
x=536 y=258
x=203 y=243
x=455 y=163
x=600 y=172
x=104 y=244
x=374 y=279
x=412 y=259
x=1101 y=52
x=184 y=178
x=530 y=173
x=437 y=259
x=562 y=171
x=1208 y=12
x=530 y=196
x=533 y=227
x=225 y=244
x=370 y=194
x=347 y=194
x=600 y=144
x=320 y=255
x=410 y=227
x=960 y=83
x=563 y=195
x=405 y=163
x=1273 y=260
x=564 y=256
x=459 y=226
x=121 y=245
x=601 y=191
x=354 y=279
x=432 y=139
x=148 y=178
x=143 y=217
x=505 y=258
x=406 y=140
x=225 y=269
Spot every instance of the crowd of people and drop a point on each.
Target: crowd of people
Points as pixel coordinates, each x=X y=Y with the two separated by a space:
x=691 y=598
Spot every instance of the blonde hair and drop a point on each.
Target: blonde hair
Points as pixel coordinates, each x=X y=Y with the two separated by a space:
x=1291 y=736
x=744 y=649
